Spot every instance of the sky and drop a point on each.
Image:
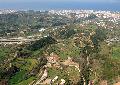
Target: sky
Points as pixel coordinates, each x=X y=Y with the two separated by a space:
x=60 y=4
x=109 y=1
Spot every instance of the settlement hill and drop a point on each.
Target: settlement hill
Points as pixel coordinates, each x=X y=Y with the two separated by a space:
x=65 y=47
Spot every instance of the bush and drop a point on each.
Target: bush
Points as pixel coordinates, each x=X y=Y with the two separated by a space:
x=41 y=43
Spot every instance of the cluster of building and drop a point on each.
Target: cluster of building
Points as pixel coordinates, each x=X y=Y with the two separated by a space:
x=86 y=13
x=76 y=13
x=4 y=11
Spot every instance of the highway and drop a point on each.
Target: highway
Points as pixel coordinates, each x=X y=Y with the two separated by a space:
x=16 y=41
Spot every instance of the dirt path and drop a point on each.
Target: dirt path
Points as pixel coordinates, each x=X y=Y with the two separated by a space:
x=44 y=76
x=47 y=81
x=117 y=83
x=69 y=62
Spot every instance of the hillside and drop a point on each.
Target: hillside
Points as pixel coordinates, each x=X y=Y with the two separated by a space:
x=65 y=50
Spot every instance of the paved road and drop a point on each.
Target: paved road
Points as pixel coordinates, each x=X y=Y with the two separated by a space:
x=16 y=41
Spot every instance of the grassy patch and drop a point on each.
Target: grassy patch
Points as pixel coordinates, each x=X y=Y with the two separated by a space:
x=116 y=52
x=111 y=69
x=25 y=64
x=27 y=82
x=3 y=53
x=65 y=49
x=68 y=73
x=18 y=77
x=73 y=73
x=52 y=72
x=37 y=52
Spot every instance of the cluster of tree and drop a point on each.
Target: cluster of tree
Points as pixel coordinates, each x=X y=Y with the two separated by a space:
x=45 y=41
x=90 y=48
x=67 y=33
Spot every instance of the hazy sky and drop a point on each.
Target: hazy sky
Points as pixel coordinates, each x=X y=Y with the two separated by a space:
x=102 y=1
x=45 y=4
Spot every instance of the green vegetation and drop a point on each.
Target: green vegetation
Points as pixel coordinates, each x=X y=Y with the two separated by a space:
x=116 y=52
x=25 y=66
x=67 y=33
x=26 y=82
x=3 y=53
x=18 y=77
x=93 y=48
x=71 y=74
x=45 y=41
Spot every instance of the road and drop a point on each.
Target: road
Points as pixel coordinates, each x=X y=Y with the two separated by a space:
x=16 y=41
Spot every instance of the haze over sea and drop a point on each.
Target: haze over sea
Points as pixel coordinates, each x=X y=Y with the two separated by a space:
x=60 y=5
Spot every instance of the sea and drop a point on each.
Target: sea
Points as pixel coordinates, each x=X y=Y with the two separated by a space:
x=60 y=6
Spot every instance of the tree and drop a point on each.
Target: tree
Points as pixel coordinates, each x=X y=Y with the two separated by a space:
x=90 y=48
x=45 y=41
